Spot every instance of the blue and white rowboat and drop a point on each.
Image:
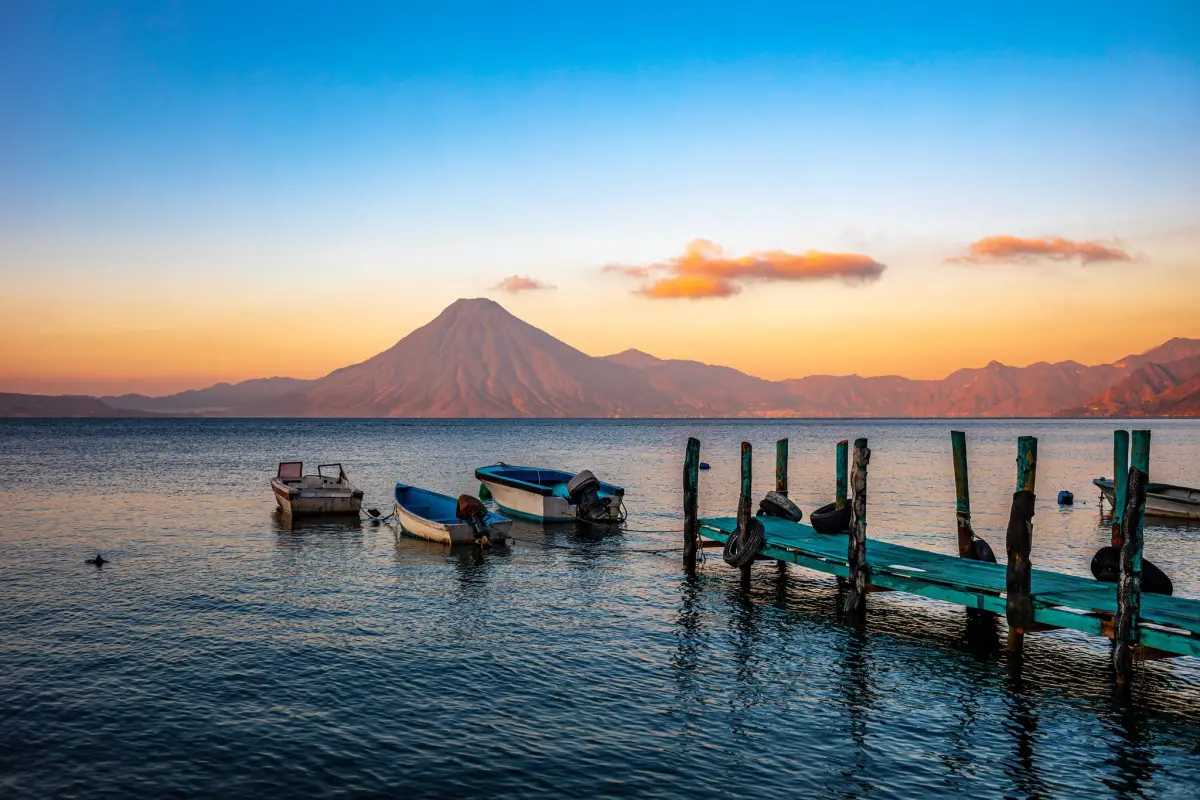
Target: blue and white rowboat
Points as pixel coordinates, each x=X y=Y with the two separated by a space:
x=433 y=516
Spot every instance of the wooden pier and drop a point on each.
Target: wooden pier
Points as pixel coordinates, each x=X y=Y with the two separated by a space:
x=1141 y=624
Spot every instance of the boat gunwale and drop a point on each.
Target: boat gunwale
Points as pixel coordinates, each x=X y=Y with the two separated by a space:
x=483 y=474
x=1106 y=485
x=492 y=517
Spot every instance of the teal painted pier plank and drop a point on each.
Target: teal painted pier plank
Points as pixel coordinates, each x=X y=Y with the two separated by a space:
x=1171 y=624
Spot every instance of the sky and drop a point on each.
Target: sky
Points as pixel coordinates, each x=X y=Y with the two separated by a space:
x=193 y=192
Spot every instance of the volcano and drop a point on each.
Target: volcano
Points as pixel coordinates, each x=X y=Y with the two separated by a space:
x=476 y=360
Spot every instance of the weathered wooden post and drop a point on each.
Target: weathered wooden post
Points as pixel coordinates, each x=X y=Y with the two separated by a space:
x=1129 y=584
x=781 y=459
x=841 y=474
x=962 y=494
x=856 y=554
x=691 y=502
x=1019 y=541
x=781 y=482
x=744 y=512
x=1120 y=482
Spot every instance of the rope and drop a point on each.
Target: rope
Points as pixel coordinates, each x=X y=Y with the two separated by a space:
x=553 y=546
x=610 y=525
x=646 y=530
x=621 y=519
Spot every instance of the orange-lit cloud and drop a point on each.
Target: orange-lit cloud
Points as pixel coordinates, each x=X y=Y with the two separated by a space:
x=706 y=270
x=1014 y=248
x=632 y=272
x=515 y=284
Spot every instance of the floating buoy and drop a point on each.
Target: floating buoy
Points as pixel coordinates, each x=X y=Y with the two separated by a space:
x=704 y=465
x=1065 y=498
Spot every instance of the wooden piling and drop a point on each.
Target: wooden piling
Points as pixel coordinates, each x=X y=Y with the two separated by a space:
x=860 y=576
x=691 y=503
x=962 y=494
x=1019 y=542
x=841 y=473
x=1026 y=463
x=1120 y=482
x=781 y=465
x=1129 y=584
x=745 y=512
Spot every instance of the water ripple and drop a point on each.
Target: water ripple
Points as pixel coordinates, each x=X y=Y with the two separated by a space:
x=225 y=652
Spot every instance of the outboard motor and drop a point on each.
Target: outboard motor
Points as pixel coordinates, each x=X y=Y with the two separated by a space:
x=472 y=511
x=583 y=492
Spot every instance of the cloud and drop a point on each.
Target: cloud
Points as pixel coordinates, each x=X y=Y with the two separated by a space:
x=993 y=249
x=706 y=270
x=515 y=284
x=631 y=272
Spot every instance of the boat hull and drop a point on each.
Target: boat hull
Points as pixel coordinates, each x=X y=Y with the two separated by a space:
x=527 y=505
x=413 y=504
x=540 y=494
x=1172 y=502
x=459 y=533
x=317 y=502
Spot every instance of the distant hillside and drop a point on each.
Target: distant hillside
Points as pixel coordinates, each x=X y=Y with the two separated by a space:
x=475 y=359
x=1153 y=389
x=39 y=405
x=697 y=389
x=219 y=397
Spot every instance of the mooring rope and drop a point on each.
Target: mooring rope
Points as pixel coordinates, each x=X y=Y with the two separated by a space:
x=645 y=530
x=554 y=546
x=615 y=523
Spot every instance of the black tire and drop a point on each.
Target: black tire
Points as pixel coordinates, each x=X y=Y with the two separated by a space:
x=1106 y=567
x=743 y=546
x=778 y=505
x=982 y=551
x=831 y=519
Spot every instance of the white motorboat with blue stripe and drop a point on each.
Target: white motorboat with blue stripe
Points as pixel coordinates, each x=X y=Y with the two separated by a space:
x=552 y=495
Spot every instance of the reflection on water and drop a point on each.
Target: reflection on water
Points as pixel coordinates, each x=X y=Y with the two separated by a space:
x=239 y=652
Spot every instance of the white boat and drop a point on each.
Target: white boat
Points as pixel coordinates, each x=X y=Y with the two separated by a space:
x=1162 y=499
x=433 y=516
x=329 y=492
x=552 y=495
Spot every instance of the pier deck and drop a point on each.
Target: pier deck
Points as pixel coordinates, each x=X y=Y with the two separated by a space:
x=1169 y=624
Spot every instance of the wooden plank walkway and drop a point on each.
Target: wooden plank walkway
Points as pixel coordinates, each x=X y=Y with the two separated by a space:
x=1170 y=624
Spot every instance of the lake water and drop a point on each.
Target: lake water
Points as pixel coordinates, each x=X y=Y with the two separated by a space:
x=225 y=653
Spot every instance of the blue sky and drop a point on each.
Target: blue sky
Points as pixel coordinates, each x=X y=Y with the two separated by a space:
x=157 y=153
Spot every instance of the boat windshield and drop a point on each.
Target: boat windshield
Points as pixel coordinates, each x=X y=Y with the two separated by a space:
x=334 y=471
x=290 y=470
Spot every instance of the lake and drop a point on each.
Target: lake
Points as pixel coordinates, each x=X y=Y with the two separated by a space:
x=227 y=653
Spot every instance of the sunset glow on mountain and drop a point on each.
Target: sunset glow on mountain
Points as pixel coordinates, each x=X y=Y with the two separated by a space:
x=202 y=193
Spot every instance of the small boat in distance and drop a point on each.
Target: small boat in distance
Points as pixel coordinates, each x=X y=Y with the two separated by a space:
x=433 y=516
x=1162 y=499
x=329 y=492
x=552 y=495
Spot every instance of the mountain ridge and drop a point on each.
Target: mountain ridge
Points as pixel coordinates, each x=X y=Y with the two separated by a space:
x=476 y=359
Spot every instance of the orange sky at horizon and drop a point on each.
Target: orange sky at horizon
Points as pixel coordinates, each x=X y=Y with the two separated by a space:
x=211 y=196
x=922 y=319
